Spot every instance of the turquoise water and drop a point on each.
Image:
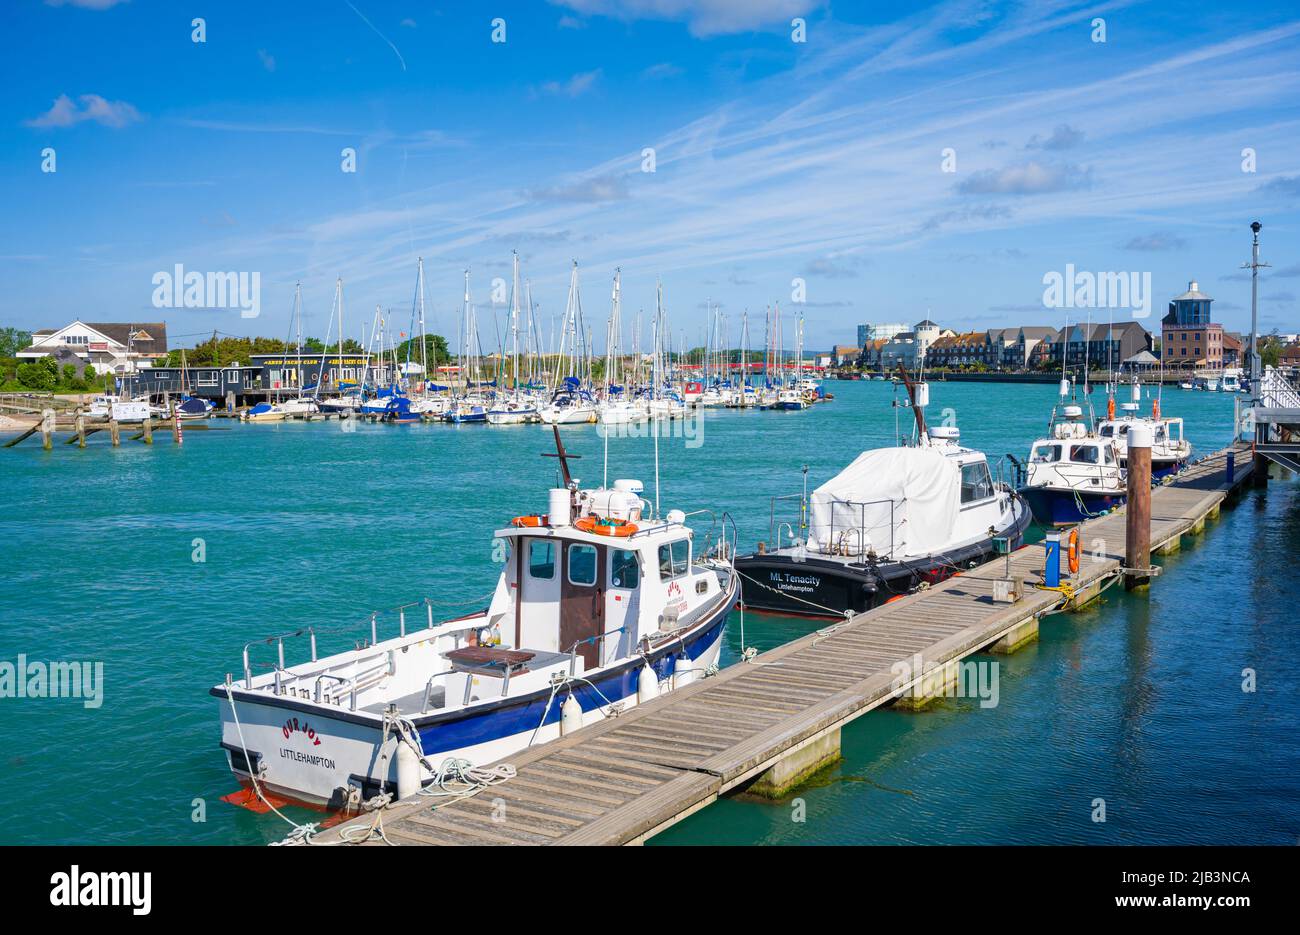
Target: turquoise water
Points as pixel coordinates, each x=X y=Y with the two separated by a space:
x=1138 y=702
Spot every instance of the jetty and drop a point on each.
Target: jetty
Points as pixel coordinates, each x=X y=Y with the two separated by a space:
x=767 y=724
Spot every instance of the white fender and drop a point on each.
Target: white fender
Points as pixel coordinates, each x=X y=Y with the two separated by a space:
x=570 y=716
x=408 y=770
x=647 y=685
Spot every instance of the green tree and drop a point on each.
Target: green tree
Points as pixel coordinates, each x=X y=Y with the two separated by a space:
x=435 y=349
x=12 y=341
x=36 y=376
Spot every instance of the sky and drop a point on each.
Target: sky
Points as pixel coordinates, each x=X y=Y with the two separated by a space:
x=879 y=162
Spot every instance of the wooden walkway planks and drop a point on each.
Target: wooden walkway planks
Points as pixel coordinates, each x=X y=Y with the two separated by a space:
x=626 y=778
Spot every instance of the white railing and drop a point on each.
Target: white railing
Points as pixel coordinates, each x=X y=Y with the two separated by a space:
x=1275 y=392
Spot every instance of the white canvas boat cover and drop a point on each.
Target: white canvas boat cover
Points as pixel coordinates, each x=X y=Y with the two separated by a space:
x=896 y=501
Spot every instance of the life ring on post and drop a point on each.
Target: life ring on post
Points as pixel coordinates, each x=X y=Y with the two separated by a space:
x=608 y=527
x=1072 y=550
x=530 y=522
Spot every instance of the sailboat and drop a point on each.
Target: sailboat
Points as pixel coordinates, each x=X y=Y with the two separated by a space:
x=571 y=401
x=617 y=407
x=893 y=519
x=298 y=405
x=602 y=604
x=516 y=408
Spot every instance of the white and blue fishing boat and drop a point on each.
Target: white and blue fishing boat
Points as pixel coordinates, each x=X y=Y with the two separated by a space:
x=601 y=604
x=1073 y=473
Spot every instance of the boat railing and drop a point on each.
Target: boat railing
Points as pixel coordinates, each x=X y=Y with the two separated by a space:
x=835 y=544
x=370 y=624
x=598 y=640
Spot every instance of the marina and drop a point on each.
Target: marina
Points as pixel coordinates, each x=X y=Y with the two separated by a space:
x=769 y=724
x=621 y=423
x=725 y=430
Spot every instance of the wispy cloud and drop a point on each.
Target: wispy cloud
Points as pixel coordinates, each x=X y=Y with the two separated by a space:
x=703 y=17
x=579 y=84
x=1287 y=186
x=362 y=16
x=584 y=191
x=1155 y=242
x=1063 y=137
x=86 y=4
x=661 y=70
x=1030 y=178
x=840 y=155
x=66 y=113
x=268 y=60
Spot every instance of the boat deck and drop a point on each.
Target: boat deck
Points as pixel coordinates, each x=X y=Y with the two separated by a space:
x=629 y=777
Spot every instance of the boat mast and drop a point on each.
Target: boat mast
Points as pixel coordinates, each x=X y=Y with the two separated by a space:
x=338 y=298
x=424 y=348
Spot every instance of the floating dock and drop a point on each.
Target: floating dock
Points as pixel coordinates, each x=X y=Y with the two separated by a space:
x=768 y=724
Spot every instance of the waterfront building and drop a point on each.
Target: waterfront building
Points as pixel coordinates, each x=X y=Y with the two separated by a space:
x=878 y=332
x=1103 y=345
x=1190 y=338
x=110 y=346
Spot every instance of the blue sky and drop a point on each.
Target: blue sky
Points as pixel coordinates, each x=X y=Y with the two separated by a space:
x=775 y=159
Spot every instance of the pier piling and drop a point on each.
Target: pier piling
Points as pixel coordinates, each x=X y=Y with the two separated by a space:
x=146 y=430
x=114 y=432
x=47 y=429
x=1137 y=526
x=81 y=430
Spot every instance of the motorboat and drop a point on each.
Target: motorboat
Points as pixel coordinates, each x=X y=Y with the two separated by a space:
x=513 y=410
x=265 y=412
x=600 y=605
x=1170 y=451
x=569 y=405
x=1073 y=473
x=890 y=521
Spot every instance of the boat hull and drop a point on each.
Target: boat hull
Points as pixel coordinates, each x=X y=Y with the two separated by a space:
x=810 y=585
x=1064 y=507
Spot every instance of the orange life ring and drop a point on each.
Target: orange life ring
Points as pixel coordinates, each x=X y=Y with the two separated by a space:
x=529 y=521
x=1072 y=550
x=611 y=527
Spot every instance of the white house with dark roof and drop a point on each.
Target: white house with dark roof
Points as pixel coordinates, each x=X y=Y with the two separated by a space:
x=112 y=347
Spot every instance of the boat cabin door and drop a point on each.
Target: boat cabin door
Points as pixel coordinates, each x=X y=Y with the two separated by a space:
x=582 y=600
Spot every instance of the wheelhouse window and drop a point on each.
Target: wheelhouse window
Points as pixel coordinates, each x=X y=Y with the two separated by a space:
x=1085 y=454
x=976 y=484
x=541 y=558
x=624 y=570
x=674 y=559
x=582 y=564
